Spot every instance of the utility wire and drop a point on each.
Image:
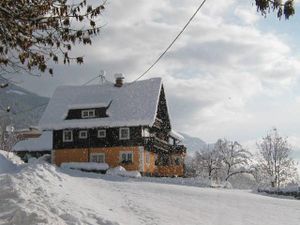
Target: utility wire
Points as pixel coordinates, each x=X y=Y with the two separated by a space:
x=91 y=80
x=175 y=39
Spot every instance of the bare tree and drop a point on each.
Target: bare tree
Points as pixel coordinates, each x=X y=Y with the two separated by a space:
x=235 y=158
x=8 y=138
x=207 y=162
x=32 y=33
x=4 y=122
x=275 y=164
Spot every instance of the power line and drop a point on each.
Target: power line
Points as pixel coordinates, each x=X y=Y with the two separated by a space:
x=91 y=80
x=170 y=45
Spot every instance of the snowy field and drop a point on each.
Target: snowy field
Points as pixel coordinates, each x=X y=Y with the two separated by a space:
x=40 y=193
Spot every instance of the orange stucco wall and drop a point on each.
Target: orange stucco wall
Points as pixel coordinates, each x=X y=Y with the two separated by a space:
x=169 y=171
x=112 y=156
x=70 y=155
x=149 y=167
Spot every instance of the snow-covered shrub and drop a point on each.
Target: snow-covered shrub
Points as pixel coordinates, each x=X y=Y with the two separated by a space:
x=227 y=185
x=90 y=166
x=121 y=171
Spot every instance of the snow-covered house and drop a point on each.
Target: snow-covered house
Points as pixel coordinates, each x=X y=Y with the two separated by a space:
x=118 y=124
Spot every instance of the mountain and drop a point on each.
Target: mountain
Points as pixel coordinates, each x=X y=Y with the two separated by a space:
x=193 y=144
x=26 y=107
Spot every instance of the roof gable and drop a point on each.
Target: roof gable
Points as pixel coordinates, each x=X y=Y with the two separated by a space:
x=134 y=104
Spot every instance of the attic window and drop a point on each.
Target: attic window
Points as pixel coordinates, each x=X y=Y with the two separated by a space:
x=88 y=113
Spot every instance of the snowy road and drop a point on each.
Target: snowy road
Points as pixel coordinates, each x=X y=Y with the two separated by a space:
x=153 y=203
x=43 y=194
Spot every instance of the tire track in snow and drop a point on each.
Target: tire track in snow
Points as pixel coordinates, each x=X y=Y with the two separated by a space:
x=144 y=215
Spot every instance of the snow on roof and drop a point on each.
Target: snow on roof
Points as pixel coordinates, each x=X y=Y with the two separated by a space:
x=175 y=134
x=42 y=143
x=87 y=106
x=133 y=104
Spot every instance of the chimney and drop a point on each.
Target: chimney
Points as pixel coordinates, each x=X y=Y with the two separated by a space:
x=119 y=79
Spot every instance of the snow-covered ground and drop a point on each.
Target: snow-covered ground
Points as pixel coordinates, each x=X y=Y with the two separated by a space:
x=40 y=193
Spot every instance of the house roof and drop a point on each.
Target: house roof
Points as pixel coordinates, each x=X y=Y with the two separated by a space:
x=42 y=143
x=133 y=104
x=176 y=135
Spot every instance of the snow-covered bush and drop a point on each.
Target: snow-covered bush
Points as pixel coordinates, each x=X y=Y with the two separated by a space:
x=90 y=166
x=227 y=185
x=121 y=171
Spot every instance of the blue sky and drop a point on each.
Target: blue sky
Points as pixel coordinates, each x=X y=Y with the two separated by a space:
x=233 y=73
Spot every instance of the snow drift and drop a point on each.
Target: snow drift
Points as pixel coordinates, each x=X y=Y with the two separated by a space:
x=8 y=162
x=36 y=195
x=41 y=193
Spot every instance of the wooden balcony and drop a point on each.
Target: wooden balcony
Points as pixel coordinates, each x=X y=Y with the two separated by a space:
x=159 y=145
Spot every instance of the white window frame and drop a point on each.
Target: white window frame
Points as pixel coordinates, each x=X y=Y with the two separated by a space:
x=127 y=153
x=90 y=113
x=97 y=154
x=81 y=132
x=120 y=133
x=64 y=136
x=145 y=132
x=101 y=136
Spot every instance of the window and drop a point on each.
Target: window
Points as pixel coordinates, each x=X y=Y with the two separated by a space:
x=101 y=134
x=97 y=157
x=83 y=134
x=126 y=157
x=88 y=113
x=145 y=132
x=177 y=161
x=124 y=133
x=163 y=160
x=67 y=136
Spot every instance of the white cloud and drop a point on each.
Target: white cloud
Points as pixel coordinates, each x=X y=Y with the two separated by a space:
x=246 y=15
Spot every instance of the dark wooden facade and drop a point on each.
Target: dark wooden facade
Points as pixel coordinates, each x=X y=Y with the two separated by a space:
x=92 y=141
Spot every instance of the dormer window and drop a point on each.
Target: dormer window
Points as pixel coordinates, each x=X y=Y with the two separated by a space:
x=124 y=133
x=88 y=113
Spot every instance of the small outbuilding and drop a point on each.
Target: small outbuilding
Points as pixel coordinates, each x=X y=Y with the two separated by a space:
x=34 y=147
